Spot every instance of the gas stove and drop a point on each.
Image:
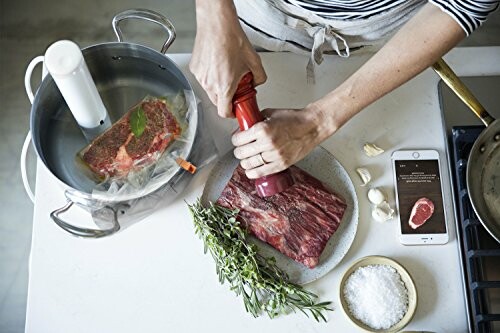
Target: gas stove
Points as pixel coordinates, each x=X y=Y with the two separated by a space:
x=479 y=252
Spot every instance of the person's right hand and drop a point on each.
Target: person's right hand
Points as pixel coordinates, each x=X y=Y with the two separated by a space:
x=222 y=53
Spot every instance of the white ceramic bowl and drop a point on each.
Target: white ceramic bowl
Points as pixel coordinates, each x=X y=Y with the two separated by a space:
x=405 y=277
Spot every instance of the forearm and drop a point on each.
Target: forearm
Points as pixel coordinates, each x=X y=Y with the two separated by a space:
x=222 y=53
x=416 y=46
x=216 y=12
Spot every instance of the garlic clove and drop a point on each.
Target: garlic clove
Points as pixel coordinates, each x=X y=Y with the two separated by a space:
x=372 y=149
x=376 y=196
x=365 y=175
x=382 y=212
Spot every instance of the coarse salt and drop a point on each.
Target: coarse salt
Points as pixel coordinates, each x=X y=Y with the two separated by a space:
x=376 y=295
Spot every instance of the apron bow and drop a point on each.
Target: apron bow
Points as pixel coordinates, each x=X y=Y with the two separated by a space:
x=324 y=38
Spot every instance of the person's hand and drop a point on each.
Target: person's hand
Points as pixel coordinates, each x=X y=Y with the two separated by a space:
x=222 y=54
x=284 y=138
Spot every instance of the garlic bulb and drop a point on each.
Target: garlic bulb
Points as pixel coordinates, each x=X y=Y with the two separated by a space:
x=372 y=150
x=365 y=175
x=382 y=212
x=376 y=196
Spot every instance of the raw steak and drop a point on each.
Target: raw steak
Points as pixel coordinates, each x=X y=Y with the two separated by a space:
x=118 y=151
x=422 y=211
x=298 y=222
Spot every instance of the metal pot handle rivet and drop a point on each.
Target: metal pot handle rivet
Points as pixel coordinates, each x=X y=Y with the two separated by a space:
x=83 y=232
x=147 y=15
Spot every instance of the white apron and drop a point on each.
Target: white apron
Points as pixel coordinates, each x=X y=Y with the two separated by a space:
x=276 y=25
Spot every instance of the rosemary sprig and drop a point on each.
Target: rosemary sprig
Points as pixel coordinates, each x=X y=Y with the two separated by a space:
x=263 y=286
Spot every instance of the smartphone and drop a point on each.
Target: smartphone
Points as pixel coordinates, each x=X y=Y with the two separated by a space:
x=419 y=197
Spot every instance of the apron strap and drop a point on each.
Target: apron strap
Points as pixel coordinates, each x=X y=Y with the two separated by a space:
x=323 y=36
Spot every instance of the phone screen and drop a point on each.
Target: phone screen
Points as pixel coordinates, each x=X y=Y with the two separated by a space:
x=419 y=180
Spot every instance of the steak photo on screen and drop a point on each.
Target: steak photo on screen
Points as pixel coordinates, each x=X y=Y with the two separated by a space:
x=418 y=180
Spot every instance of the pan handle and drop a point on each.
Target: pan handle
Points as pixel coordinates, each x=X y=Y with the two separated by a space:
x=84 y=232
x=461 y=90
x=147 y=15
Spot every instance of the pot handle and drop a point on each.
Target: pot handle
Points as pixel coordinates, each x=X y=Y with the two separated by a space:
x=84 y=232
x=24 y=174
x=147 y=15
x=24 y=152
x=27 y=76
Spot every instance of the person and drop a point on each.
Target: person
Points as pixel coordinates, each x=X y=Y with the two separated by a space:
x=410 y=36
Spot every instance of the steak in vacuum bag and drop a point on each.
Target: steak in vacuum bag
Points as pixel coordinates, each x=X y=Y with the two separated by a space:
x=137 y=140
x=298 y=222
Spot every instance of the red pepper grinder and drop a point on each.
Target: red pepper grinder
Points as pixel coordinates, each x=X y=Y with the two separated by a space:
x=247 y=112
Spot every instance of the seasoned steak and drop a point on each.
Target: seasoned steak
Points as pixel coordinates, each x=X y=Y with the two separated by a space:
x=298 y=222
x=118 y=151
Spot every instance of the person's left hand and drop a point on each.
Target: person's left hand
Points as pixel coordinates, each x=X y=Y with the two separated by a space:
x=284 y=138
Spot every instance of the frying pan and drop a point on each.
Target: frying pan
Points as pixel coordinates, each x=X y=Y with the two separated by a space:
x=124 y=73
x=483 y=165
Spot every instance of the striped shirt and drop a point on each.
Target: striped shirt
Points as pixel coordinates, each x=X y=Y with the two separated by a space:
x=469 y=14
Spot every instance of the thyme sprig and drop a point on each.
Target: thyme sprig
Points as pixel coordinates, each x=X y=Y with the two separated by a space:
x=263 y=286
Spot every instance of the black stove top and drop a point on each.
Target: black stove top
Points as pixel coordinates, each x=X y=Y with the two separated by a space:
x=480 y=252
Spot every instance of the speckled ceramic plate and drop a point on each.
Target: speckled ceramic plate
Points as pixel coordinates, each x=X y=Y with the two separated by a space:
x=322 y=165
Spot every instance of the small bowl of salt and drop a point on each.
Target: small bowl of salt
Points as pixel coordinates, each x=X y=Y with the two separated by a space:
x=378 y=295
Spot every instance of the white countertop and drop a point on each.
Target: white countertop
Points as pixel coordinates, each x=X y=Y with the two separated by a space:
x=154 y=277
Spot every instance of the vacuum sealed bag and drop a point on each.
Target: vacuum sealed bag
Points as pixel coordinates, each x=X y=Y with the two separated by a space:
x=142 y=150
x=135 y=141
x=146 y=158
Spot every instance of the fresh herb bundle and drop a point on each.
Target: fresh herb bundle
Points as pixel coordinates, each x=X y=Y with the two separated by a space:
x=263 y=286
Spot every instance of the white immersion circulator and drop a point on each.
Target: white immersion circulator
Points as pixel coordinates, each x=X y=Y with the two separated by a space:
x=64 y=61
